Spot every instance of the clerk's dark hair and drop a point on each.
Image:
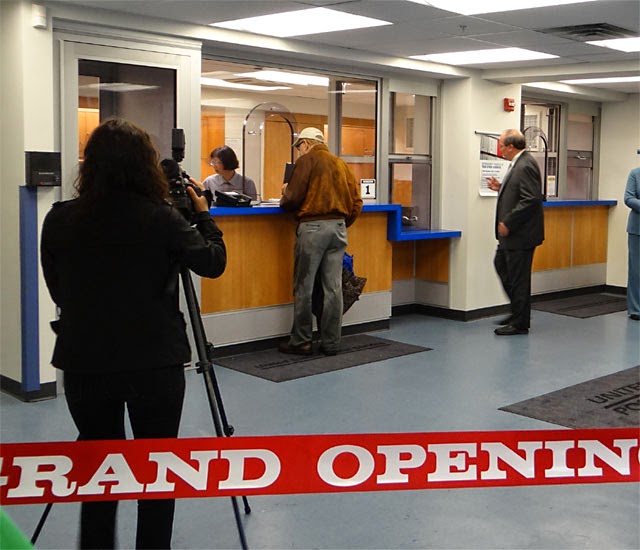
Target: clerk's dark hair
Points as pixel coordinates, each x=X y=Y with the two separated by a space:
x=227 y=157
x=119 y=159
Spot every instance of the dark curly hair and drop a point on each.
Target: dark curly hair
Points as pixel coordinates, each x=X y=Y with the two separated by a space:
x=120 y=158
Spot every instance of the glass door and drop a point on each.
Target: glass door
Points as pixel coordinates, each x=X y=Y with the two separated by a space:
x=144 y=95
x=143 y=86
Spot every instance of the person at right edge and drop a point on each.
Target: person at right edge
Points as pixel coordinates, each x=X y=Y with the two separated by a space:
x=519 y=228
x=325 y=195
x=632 y=200
x=111 y=258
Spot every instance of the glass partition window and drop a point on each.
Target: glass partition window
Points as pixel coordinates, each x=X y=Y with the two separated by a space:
x=357 y=104
x=580 y=145
x=410 y=157
x=344 y=109
x=411 y=129
x=541 y=127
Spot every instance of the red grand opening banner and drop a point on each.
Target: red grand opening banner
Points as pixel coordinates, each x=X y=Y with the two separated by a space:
x=33 y=473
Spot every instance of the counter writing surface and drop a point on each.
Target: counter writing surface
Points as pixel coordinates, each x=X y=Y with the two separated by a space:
x=395 y=230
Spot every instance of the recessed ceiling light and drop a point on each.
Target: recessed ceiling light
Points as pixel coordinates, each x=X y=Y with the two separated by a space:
x=621 y=44
x=606 y=80
x=301 y=22
x=474 y=7
x=219 y=83
x=498 y=55
x=288 y=78
x=119 y=87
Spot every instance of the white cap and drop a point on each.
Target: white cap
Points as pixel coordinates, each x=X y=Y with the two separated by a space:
x=309 y=133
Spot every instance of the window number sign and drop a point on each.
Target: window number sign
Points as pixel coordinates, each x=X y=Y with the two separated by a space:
x=368 y=189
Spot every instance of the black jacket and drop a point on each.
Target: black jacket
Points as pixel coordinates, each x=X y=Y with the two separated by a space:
x=114 y=276
x=519 y=205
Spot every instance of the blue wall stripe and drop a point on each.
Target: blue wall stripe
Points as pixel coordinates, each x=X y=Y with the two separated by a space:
x=29 y=288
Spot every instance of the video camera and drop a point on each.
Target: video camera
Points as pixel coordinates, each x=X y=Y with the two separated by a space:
x=179 y=180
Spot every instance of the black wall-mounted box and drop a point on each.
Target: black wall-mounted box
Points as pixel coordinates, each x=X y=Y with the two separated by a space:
x=42 y=169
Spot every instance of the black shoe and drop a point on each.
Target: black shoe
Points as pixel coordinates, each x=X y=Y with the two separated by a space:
x=504 y=320
x=302 y=349
x=328 y=351
x=634 y=316
x=510 y=330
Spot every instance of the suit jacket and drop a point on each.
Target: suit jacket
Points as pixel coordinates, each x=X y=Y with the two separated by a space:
x=519 y=205
x=632 y=200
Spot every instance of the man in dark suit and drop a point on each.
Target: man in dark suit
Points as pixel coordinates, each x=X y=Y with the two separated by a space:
x=519 y=228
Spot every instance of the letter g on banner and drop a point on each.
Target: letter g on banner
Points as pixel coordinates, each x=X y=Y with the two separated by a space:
x=326 y=470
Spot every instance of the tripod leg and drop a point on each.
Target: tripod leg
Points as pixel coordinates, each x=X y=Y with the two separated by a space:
x=40 y=525
x=228 y=428
x=205 y=367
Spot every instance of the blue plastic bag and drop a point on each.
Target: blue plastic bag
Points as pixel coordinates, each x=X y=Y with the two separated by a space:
x=347 y=262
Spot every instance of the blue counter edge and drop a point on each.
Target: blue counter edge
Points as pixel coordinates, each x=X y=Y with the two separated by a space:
x=395 y=230
x=577 y=202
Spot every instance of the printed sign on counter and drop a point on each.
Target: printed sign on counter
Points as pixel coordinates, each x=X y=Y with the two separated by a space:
x=368 y=189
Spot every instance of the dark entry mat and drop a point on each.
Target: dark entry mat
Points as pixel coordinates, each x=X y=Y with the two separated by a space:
x=584 y=306
x=355 y=350
x=611 y=401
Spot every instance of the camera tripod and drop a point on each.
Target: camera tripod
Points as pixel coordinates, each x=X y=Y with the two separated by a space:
x=204 y=366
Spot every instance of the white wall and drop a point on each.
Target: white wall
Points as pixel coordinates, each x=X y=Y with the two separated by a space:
x=468 y=106
x=27 y=113
x=619 y=143
x=11 y=171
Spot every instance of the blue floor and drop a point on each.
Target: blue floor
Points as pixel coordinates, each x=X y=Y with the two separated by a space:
x=458 y=386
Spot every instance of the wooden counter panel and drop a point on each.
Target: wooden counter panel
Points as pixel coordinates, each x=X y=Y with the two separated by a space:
x=590 y=227
x=259 y=264
x=555 y=251
x=432 y=260
x=260 y=260
x=372 y=252
x=403 y=260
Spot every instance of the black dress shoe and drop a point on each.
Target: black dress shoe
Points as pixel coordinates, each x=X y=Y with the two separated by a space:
x=328 y=351
x=634 y=316
x=302 y=349
x=510 y=330
x=504 y=320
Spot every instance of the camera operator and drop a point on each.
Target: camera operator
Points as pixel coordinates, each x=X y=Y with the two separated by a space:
x=111 y=259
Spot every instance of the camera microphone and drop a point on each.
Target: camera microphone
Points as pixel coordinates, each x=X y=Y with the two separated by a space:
x=177 y=144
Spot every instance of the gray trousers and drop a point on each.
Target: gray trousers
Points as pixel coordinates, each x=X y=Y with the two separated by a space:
x=319 y=249
x=633 y=281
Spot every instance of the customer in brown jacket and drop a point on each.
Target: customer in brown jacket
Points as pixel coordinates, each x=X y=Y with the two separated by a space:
x=324 y=194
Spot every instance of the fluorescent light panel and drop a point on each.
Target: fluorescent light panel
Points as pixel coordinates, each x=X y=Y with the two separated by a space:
x=301 y=22
x=474 y=7
x=288 y=78
x=606 y=80
x=498 y=55
x=219 y=83
x=620 y=44
x=119 y=87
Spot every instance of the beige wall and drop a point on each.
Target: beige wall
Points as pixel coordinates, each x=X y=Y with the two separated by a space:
x=619 y=143
x=468 y=106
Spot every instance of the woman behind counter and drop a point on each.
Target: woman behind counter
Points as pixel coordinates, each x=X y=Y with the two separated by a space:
x=224 y=162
